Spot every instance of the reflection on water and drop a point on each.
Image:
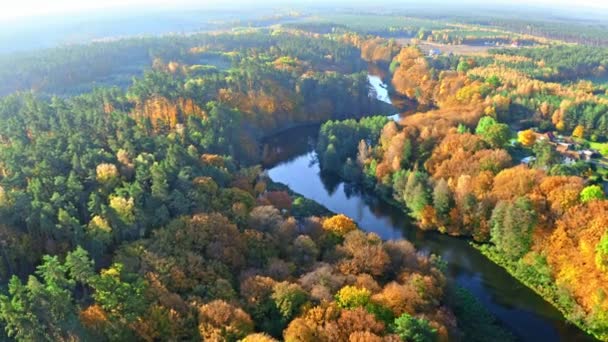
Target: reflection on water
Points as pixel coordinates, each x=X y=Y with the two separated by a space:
x=379 y=88
x=516 y=306
x=289 y=158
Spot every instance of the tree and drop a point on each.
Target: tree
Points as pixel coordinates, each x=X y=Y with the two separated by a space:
x=463 y=129
x=463 y=66
x=494 y=81
x=220 y=321
x=16 y=312
x=592 y=193
x=265 y=218
x=442 y=198
x=601 y=253
x=357 y=320
x=124 y=300
x=545 y=154
x=305 y=250
x=511 y=227
x=484 y=124
x=107 y=174
x=280 y=199
x=527 y=137
x=331 y=159
x=350 y=297
x=497 y=135
x=80 y=265
x=579 y=132
x=259 y=337
x=414 y=329
x=416 y=195
x=43 y=309
x=160 y=185
x=339 y=224
x=363 y=254
x=288 y=298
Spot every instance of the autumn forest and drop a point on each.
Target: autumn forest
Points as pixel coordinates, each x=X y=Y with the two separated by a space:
x=136 y=202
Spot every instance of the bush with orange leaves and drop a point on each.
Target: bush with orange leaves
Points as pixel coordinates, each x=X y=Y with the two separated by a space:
x=339 y=224
x=328 y=323
x=220 y=321
x=363 y=253
x=94 y=317
x=259 y=337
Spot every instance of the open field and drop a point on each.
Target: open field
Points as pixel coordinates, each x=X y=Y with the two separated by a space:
x=446 y=49
x=602 y=148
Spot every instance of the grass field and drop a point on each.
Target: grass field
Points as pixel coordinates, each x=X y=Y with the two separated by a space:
x=600 y=147
x=468 y=50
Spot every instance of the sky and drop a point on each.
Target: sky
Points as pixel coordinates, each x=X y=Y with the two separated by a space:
x=18 y=9
x=13 y=9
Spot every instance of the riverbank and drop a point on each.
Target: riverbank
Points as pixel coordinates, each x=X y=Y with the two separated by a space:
x=524 y=273
x=549 y=291
x=515 y=306
x=475 y=322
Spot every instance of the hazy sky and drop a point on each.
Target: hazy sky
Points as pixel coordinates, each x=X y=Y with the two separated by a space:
x=10 y=9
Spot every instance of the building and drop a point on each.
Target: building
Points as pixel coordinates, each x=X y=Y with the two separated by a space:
x=528 y=160
x=434 y=52
x=588 y=154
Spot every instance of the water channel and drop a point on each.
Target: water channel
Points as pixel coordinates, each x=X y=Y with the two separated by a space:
x=518 y=308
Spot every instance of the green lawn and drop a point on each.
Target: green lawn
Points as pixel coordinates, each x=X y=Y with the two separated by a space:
x=600 y=147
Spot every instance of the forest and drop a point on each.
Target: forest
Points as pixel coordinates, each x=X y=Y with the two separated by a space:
x=140 y=214
x=133 y=206
x=454 y=164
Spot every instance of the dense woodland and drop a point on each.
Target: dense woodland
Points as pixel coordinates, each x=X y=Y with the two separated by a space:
x=137 y=212
x=588 y=33
x=455 y=165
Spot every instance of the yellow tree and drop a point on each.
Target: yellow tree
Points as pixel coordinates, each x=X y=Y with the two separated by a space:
x=339 y=225
x=107 y=173
x=579 y=132
x=527 y=137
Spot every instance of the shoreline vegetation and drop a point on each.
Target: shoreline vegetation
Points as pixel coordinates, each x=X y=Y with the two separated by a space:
x=546 y=291
x=476 y=322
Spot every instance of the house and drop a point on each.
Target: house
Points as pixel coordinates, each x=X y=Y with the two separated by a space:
x=549 y=136
x=528 y=160
x=563 y=147
x=588 y=154
x=434 y=52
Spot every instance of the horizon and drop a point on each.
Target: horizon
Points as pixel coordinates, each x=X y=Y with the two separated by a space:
x=28 y=9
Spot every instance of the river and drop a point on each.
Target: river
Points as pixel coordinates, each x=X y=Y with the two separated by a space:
x=518 y=308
